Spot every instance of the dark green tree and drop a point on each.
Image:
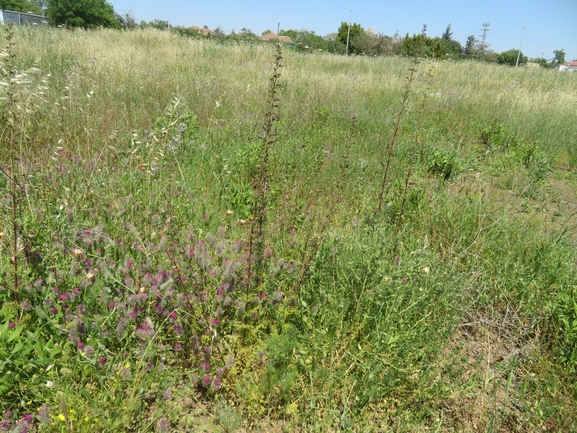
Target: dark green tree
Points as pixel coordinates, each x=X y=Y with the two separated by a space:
x=293 y=34
x=343 y=33
x=559 y=58
x=87 y=14
x=470 y=48
x=422 y=46
x=510 y=58
x=20 y=6
x=451 y=47
x=447 y=34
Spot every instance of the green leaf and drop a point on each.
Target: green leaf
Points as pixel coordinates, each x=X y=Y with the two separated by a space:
x=17 y=348
x=15 y=333
x=86 y=394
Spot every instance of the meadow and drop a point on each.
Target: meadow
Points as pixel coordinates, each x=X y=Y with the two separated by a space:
x=205 y=236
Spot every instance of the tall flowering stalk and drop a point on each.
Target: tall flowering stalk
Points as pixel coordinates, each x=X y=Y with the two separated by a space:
x=8 y=137
x=396 y=128
x=261 y=178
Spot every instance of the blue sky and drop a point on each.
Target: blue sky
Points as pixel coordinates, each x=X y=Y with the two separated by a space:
x=549 y=24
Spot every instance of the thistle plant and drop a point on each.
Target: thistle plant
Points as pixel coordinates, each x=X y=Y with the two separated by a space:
x=261 y=178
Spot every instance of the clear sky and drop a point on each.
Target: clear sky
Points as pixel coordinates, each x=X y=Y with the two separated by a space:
x=549 y=24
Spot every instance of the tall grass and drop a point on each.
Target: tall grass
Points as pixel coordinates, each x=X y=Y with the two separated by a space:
x=143 y=171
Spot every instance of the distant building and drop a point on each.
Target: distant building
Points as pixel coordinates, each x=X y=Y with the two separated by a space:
x=21 y=18
x=205 y=31
x=569 y=66
x=275 y=37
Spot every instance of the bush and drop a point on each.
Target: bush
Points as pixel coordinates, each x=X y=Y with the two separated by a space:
x=510 y=58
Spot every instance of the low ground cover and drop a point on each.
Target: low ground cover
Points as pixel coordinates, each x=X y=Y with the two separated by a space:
x=297 y=242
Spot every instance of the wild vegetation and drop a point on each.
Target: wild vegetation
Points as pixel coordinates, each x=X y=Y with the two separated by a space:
x=198 y=236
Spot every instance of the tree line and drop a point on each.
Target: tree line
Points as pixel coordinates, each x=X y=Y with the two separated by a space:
x=350 y=38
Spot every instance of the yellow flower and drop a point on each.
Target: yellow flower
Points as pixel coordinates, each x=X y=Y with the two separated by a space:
x=61 y=417
x=87 y=419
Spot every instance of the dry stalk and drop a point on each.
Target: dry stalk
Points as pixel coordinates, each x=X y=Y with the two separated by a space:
x=399 y=118
x=261 y=179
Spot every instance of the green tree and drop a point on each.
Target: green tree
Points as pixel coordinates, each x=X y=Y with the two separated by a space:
x=447 y=34
x=422 y=46
x=451 y=47
x=87 y=14
x=19 y=6
x=510 y=58
x=470 y=48
x=293 y=34
x=343 y=33
x=559 y=58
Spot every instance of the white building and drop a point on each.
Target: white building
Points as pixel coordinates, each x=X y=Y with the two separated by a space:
x=569 y=66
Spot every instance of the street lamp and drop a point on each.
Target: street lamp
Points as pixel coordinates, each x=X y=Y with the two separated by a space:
x=519 y=54
x=349 y=31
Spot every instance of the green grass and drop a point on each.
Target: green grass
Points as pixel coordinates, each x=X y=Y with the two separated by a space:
x=136 y=161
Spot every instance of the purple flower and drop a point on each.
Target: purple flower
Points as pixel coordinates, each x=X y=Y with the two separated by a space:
x=178 y=329
x=54 y=310
x=163 y=425
x=102 y=361
x=178 y=347
x=216 y=383
x=11 y=325
x=80 y=345
x=173 y=316
x=205 y=366
x=89 y=351
x=215 y=322
x=111 y=305
x=206 y=380
x=167 y=394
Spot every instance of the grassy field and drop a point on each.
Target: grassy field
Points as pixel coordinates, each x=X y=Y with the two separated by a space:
x=198 y=236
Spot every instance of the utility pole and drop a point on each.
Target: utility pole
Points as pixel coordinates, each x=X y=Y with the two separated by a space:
x=485 y=30
x=519 y=53
x=349 y=32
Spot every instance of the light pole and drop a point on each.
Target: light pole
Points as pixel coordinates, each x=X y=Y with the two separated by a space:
x=519 y=54
x=349 y=31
